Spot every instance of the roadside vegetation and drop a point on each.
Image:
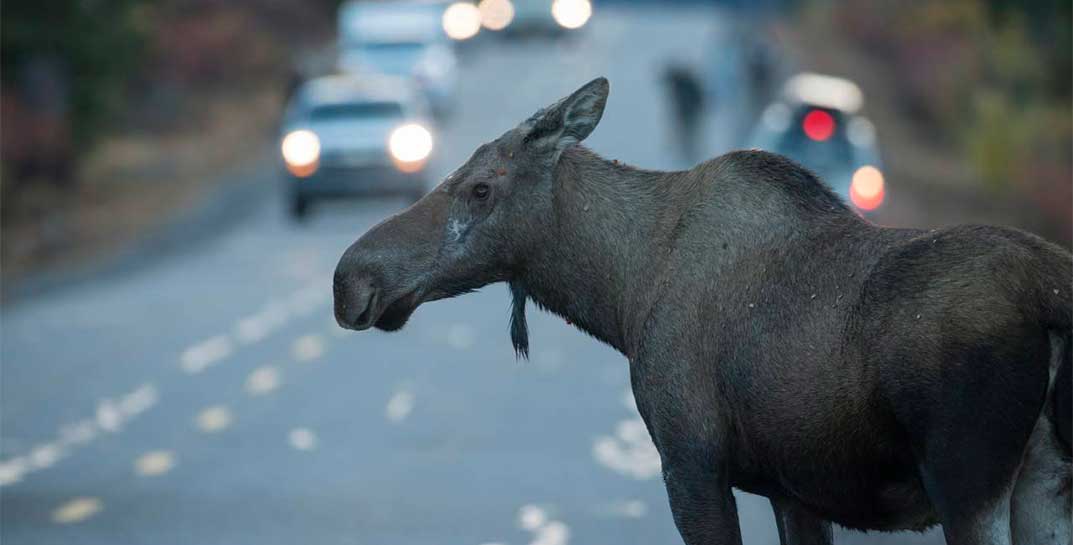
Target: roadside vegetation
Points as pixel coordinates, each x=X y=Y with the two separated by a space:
x=116 y=114
x=985 y=82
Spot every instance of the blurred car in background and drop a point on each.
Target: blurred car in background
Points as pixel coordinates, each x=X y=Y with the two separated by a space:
x=404 y=39
x=816 y=123
x=345 y=136
x=534 y=16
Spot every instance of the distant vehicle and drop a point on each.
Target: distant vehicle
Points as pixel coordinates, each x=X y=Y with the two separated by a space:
x=817 y=124
x=534 y=16
x=403 y=39
x=344 y=136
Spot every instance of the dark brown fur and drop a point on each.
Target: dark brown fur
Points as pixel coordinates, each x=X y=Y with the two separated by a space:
x=877 y=378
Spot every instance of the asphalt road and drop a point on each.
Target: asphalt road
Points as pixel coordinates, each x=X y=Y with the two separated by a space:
x=209 y=397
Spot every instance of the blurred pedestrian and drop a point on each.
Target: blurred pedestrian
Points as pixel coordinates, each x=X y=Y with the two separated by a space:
x=686 y=95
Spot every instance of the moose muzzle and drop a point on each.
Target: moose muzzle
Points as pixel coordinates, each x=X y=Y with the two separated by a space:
x=382 y=277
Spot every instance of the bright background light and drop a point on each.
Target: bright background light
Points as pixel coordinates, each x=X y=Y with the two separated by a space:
x=867 y=188
x=410 y=143
x=300 y=148
x=571 y=13
x=462 y=21
x=496 y=14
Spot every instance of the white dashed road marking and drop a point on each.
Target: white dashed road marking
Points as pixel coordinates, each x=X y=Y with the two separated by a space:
x=44 y=456
x=531 y=517
x=302 y=439
x=77 y=510
x=205 y=354
x=157 y=462
x=109 y=416
x=11 y=471
x=308 y=348
x=263 y=380
x=213 y=419
x=399 y=406
x=552 y=533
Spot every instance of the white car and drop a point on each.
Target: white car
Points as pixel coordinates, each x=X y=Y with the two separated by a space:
x=403 y=39
x=345 y=136
x=817 y=124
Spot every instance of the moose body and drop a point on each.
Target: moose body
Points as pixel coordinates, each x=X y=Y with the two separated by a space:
x=875 y=378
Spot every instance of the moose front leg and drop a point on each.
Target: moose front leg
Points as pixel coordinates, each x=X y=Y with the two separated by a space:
x=702 y=504
x=688 y=428
x=799 y=526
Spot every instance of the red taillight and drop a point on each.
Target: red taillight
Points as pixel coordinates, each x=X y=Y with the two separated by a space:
x=818 y=125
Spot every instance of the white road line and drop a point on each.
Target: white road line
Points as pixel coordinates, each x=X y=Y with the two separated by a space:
x=399 y=406
x=205 y=354
x=302 y=439
x=261 y=324
x=213 y=419
x=552 y=533
x=109 y=416
x=308 y=347
x=263 y=380
x=45 y=455
x=531 y=517
x=536 y=520
x=630 y=452
x=77 y=510
x=154 y=463
x=12 y=470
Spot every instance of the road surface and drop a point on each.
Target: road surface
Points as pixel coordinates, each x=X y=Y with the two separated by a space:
x=209 y=397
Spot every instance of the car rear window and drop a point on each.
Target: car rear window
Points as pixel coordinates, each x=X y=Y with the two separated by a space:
x=365 y=110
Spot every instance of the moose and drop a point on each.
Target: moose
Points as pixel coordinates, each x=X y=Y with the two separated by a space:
x=778 y=343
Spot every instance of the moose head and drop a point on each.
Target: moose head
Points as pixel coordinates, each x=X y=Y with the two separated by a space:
x=479 y=226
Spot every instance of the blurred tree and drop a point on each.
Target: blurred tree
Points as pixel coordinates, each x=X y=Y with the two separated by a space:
x=991 y=78
x=87 y=49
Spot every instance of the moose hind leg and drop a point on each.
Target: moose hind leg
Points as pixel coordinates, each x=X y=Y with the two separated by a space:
x=1042 y=497
x=971 y=433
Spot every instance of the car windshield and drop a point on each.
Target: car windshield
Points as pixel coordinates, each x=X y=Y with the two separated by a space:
x=395 y=58
x=817 y=139
x=364 y=111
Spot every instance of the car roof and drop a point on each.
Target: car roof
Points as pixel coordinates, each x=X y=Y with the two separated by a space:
x=349 y=88
x=825 y=91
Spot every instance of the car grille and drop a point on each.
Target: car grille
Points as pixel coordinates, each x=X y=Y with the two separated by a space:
x=353 y=158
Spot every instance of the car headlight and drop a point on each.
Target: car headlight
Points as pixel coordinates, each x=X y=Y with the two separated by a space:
x=462 y=21
x=496 y=14
x=301 y=150
x=410 y=145
x=867 y=190
x=571 y=13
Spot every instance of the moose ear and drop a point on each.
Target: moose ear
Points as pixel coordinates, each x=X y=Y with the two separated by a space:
x=569 y=120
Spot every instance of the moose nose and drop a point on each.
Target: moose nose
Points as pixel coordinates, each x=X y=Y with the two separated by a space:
x=356 y=302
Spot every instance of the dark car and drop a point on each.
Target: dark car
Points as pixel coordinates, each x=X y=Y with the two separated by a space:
x=816 y=123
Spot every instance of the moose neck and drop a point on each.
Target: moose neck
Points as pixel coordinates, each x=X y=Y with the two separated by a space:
x=594 y=263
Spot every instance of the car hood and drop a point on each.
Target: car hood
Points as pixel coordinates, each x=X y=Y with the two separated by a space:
x=353 y=134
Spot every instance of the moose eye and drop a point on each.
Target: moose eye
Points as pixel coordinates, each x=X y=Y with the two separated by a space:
x=481 y=191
